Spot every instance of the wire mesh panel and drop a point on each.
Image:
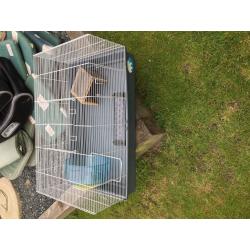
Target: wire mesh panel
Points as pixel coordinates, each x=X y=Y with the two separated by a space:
x=81 y=123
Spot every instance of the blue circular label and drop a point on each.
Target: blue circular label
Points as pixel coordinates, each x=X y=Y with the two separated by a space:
x=130 y=65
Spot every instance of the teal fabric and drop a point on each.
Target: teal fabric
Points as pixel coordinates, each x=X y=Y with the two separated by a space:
x=14 y=170
x=51 y=38
x=30 y=83
x=32 y=159
x=9 y=152
x=27 y=48
x=39 y=42
x=10 y=50
x=10 y=37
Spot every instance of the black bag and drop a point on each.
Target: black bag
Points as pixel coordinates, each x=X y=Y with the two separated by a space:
x=16 y=102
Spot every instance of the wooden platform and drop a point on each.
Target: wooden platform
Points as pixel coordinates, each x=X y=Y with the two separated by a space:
x=82 y=85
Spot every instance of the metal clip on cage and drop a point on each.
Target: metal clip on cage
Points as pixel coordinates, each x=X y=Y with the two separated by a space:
x=85 y=123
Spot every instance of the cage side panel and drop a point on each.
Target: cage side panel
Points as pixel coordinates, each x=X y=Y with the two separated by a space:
x=81 y=122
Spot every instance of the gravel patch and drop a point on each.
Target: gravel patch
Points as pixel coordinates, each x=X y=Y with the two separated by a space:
x=32 y=203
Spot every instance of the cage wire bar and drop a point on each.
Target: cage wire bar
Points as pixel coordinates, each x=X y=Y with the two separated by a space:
x=82 y=123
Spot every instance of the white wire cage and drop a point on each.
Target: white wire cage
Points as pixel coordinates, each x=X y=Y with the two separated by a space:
x=82 y=121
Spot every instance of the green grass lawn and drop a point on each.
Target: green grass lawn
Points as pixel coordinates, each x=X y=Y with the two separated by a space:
x=198 y=87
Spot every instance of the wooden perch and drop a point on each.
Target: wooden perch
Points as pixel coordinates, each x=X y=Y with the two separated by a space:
x=82 y=86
